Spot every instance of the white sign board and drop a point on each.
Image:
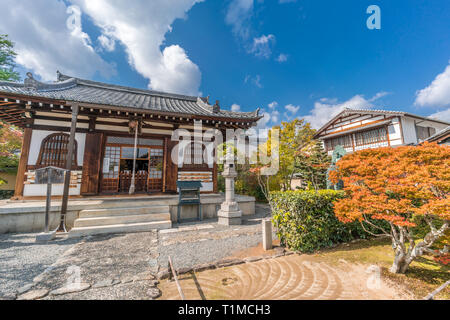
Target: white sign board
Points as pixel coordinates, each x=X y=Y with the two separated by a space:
x=106 y=162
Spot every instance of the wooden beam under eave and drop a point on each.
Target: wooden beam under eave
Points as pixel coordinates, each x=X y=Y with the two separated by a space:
x=7 y=103
x=11 y=119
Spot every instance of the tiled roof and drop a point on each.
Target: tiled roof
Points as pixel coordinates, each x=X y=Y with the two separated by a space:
x=349 y=111
x=79 y=90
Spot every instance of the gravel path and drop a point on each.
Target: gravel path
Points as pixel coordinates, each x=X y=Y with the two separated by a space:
x=208 y=242
x=118 y=266
x=21 y=259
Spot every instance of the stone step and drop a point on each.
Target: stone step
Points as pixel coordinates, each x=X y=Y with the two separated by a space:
x=119 y=228
x=135 y=203
x=127 y=219
x=109 y=212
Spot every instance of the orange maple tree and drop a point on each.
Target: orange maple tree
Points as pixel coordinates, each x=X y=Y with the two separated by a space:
x=395 y=185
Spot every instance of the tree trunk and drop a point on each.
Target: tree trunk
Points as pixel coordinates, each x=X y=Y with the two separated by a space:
x=401 y=263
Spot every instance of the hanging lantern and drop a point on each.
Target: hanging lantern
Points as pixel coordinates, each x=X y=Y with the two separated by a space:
x=133 y=124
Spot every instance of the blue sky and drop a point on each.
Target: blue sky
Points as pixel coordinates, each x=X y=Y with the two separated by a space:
x=304 y=58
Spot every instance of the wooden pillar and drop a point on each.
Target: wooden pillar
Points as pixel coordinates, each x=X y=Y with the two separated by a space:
x=23 y=162
x=69 y=158
x=215 y=178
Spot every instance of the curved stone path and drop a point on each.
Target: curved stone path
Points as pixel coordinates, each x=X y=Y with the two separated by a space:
x=291 y=277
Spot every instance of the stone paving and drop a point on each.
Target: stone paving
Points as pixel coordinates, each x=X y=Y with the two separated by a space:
x=22 y=259
x=117 y=266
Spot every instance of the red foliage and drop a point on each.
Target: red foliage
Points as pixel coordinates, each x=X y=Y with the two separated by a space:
x=393 y=184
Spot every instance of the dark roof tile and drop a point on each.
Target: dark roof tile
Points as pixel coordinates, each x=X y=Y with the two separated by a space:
x=87 y=91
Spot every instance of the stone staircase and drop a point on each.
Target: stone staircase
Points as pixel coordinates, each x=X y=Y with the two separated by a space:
x=121 y=217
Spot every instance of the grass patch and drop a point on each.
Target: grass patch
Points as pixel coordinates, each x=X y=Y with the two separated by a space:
x=423 y=276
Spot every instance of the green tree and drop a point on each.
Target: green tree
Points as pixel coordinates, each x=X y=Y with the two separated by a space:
x=311 y=164
x=294 y=136
x=7 y=60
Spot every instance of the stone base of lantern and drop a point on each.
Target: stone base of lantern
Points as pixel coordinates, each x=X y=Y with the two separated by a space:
x=229 y=214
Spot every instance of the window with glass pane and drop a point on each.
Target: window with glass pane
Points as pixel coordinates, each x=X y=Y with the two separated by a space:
x=425 y=132
x=128 y=153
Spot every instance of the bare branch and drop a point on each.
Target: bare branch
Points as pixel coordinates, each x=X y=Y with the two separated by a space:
x=375 y=226
x=373 y=234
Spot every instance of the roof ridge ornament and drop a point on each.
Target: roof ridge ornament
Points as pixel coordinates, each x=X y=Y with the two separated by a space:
x=30 y=83
x=216 y=107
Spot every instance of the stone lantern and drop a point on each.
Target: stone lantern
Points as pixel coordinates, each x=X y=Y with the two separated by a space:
x=229 y=213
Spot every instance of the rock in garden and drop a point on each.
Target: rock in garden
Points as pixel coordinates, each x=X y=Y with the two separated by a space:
x=144 y=276
x=25 y=288
x=8 y=296
x=184 y=270
x=279 y=250
x=252 y=259
x=228 y=262
x=203 y=267
x=34 y=294
x=105 y=283
x=153 y=283
x=163 y=274
x=153 y=293
x=126 y=279
x=71 y=289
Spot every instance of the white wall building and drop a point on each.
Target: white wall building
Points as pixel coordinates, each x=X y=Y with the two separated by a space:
x=361 y=129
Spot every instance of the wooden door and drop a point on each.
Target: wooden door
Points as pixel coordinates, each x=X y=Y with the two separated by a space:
x=91 y=164
x=170 y=168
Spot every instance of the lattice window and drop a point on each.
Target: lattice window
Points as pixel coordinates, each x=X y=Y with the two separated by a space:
x=345 y=141
x=193 y=156
x=54 y=149
x=371 y=136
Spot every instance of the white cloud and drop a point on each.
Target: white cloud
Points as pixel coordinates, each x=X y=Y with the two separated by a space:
x=73 y=23
x=325 y=108
x=264 y=121
x=109 y=44
x=235 y=107
x=442 y=115
x=273 y=105
x=256 y=80
x=238 y=15
x=437 y=93
x=292 y=109
x=48 y=36
x=261 y=46
x=282 y=57
x=141 y=29
x=379 y=95
x=275 y=116
x=271 y=117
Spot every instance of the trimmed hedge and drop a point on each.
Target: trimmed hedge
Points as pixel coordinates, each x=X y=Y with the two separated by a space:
x=305 y=220
x=6 y=194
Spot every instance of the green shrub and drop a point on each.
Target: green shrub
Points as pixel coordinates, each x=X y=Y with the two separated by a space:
x=6 y=194
x=305 y=220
